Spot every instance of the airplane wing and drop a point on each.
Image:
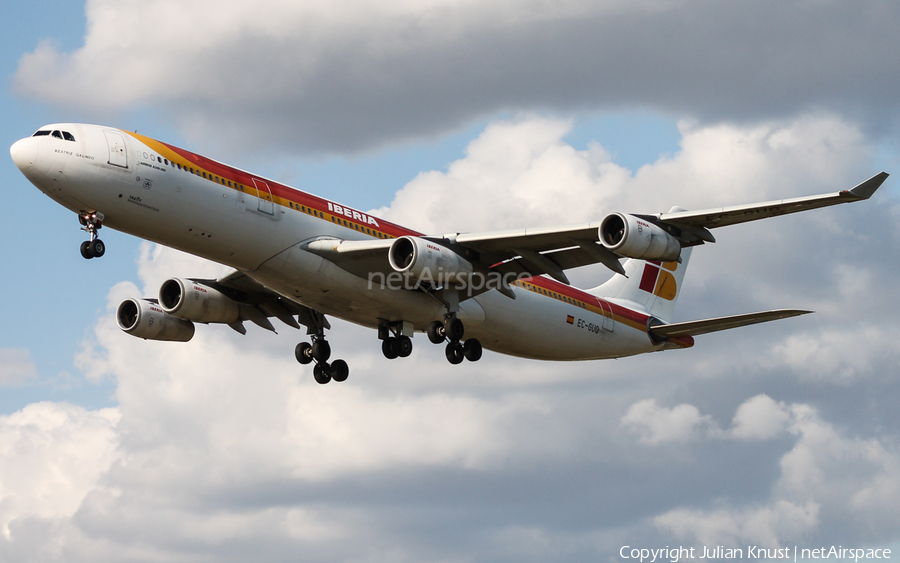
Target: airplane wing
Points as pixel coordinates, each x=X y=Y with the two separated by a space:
x=724 y=216
x=695 y=328
x=547 y=250
x=259 y=303
x=552 y=250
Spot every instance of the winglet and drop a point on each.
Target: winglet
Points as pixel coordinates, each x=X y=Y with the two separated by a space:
x=867 y=188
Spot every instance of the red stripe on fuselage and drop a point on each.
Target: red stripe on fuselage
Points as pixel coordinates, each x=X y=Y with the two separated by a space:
x=279 y=191
x=548 y=284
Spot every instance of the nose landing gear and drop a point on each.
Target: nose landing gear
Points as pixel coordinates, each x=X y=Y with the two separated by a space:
x=91 y=223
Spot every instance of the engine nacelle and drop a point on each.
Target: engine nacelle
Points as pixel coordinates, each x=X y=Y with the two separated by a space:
x=631 y=236
x=428 y=260
x=196 y=302
x=141 y=318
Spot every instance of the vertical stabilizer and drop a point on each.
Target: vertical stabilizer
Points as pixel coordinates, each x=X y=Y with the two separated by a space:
x=651 y=286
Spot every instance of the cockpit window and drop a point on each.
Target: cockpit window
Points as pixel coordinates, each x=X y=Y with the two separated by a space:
x=56 y=134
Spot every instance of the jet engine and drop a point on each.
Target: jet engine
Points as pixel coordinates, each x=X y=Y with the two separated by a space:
x=193 y=301
x=428 y=260
x=147 y=320
x=631 y=236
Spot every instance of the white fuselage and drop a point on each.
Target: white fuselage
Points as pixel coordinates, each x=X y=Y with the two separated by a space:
x=182 y=200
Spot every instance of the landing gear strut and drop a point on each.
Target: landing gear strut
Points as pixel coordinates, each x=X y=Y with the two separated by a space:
x=91 y=223
x=320 y=351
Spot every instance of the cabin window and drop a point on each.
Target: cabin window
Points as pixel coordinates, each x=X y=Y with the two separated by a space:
x=68 y=136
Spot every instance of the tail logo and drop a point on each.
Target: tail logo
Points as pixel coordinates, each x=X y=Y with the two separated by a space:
x=658 y=280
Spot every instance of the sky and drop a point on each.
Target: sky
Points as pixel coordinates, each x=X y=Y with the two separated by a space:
x=453 y=115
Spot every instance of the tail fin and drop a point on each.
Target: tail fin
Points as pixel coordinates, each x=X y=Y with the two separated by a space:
x=651 y=286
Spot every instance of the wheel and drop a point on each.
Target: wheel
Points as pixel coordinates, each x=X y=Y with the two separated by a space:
x=472 y=349
x=404 y=346
x=98 y=248
x=436 y=332
x=454 y=353
x=322 y=373
x=321 y=350
x=86 y=250
x=303 y=353
x=455 y=329
x=339 y=370
x=389 y=348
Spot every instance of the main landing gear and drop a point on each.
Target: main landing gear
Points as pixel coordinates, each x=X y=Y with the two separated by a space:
x=452 y=331
x=395 y=344
x=320 y=351
x=91 y=223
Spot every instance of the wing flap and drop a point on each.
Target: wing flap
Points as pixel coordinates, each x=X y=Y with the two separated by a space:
x=696 y=328
x=498 y=245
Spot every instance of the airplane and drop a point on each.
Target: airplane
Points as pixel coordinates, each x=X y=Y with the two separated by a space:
x=298 y=257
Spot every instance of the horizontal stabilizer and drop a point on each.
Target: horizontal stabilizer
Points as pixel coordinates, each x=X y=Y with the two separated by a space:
x=695 y=328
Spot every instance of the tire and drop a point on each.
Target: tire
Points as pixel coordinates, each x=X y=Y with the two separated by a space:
x=303 y=353
x=454 y=353
x=389 y=348
x=472 y=350
x=339 y=371
x=86 y=250
x=436 y=332
x=455 y=329
x=98 y=248
x=321 y=373
x=321 y=351
x=404 y=346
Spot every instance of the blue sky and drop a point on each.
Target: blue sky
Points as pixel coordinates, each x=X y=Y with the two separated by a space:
x=223 y=449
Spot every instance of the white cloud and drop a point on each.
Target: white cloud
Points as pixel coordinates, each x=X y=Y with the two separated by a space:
x=841 y=354
x=760 y=418
x=658 y=424
x=826 y=476
x=348 y=75
x=769 y=527
x=521 y=172
x=51 y=456
x=16 y=366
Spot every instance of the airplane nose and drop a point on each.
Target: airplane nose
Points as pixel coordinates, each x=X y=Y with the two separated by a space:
x=24 y=153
